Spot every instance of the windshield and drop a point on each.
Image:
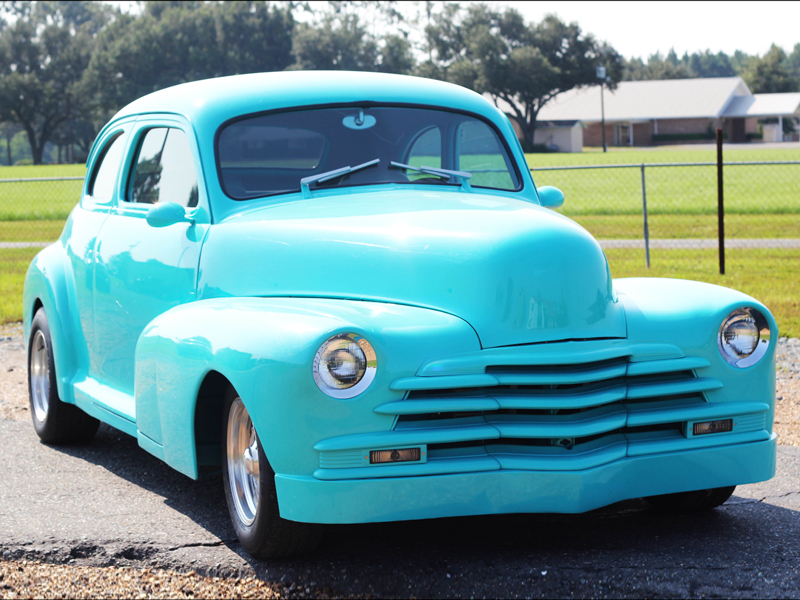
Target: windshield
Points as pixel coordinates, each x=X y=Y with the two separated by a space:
x=270 y=154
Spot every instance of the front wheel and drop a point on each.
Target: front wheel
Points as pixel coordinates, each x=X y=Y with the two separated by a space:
x=691 y=502
x=250 y=491
x=55 y=421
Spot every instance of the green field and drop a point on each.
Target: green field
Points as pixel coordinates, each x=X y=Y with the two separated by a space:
x=761 y=202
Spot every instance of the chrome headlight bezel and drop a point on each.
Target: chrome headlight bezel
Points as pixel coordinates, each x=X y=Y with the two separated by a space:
x=343 y=342
x=761 y=326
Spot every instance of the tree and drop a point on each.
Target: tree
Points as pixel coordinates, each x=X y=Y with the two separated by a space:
x=175 y=42
x=658 y=66
x=793 y=64
x=525 y=65
x=339 y=38
x=339 y=43
x=770 y=74
x=706 y=64
x=42 y=57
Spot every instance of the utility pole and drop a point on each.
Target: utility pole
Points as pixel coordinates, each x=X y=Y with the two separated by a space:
x=601 y=75
x=8 y=144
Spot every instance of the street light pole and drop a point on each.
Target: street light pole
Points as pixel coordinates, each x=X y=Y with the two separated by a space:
x=601 y=75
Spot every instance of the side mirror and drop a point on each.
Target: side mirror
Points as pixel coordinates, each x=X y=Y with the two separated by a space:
x=550 y=196
x=167 y=213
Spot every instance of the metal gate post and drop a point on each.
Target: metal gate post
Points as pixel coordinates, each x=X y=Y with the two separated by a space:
x=720 y=205
x=646 y=227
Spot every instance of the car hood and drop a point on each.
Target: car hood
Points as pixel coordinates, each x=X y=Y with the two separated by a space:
x=516 y=272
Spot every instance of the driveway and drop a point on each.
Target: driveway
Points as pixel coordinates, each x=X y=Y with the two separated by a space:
x=111 y=503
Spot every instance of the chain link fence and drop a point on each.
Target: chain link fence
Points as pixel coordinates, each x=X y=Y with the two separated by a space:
x=666 y=214
x=650 y=218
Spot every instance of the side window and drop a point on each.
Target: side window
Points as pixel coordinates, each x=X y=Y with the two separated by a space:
x=479 y=151
x=426 y=150
x=104 y=177
x=164 y=170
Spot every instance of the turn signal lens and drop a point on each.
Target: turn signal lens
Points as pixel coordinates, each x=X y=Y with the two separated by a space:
x=345 y=365
x=712 y=427
x=392 y=456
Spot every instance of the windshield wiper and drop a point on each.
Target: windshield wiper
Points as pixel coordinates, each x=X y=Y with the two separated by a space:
x=445 y=174
x=305 y=181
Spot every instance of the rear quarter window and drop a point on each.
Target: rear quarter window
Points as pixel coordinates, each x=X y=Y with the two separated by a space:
x=104 y=176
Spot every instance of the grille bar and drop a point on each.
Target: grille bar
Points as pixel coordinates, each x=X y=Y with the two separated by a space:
x=561 y=459
x=652 y=367
x=601 y=420
x=427 y=406
x=446 y=382
x=672 y=388
x=541 y=400
x=410 y=437
x=561 y=376
x=556 y=353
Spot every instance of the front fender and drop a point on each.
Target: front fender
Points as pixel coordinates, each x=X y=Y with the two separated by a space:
x=689 y=314
x=265 y=347
x=48 y=280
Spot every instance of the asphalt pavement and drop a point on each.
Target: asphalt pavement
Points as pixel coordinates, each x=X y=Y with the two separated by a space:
x=111 y=503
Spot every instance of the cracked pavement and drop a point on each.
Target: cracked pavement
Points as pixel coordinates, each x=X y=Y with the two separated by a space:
x=111 y=503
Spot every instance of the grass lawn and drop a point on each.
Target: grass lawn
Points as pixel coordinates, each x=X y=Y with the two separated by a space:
x=771 y=276
x=13 y=266
x=691 y=190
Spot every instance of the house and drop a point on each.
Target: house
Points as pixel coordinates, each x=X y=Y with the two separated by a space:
x=647 y=113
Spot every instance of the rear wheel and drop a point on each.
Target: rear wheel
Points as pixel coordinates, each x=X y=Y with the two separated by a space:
x=250 y=491
x=691 y=502
x=55 y=422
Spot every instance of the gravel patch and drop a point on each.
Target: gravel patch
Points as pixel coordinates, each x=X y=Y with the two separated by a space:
x=13 y=373
x=787 y=405
x=40 y=580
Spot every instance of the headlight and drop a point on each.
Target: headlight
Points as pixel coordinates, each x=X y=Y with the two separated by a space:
x=345 y=365
x=744 y=337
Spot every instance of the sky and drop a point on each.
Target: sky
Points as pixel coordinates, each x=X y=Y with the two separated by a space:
x=639 y=29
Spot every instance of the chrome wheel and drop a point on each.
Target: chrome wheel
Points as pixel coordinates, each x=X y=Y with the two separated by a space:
x=40 y=376
x=243 y=469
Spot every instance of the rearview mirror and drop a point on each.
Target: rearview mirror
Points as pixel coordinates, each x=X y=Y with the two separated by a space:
x=166 y=213
x=550 y=196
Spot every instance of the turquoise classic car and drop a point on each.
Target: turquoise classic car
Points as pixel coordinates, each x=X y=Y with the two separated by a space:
x=345 y=290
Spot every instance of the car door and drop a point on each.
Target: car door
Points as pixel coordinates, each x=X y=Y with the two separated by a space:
x=143 y=270
x=82 y=230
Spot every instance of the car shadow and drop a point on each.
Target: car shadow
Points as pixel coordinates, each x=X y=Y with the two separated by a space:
x=448 y=556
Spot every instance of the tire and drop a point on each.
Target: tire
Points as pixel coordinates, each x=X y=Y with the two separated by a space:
x=691 y=502
x=250 y=491
x=55 y=421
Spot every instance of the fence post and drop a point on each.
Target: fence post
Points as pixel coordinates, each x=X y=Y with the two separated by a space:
x=720 y=205
x=646 y=227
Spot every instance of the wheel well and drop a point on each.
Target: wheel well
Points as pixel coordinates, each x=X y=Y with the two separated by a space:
x=207 y=419
x=37 y=304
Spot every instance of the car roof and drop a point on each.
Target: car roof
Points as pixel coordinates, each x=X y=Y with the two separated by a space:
x=210 y=102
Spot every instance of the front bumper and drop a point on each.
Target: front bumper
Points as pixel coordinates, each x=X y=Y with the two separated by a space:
x=311 y=500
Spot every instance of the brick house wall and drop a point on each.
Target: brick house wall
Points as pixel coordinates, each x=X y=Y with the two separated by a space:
x=675 y=126
x=643 y=132
x=593 y=135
